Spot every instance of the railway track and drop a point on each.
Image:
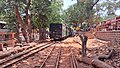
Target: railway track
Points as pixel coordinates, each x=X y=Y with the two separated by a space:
x=52 y=59
x=19 y=56
x=73 y=60
x=67 y=59
x=54 y=55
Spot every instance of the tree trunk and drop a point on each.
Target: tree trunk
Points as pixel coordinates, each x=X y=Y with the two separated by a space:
x=30 y=38
x=17 y=34
x=25 y=26
x=96 y=61
x=89 y=9
x=28 y=22
x=30 y=30
x=25 y=34
x=42 y=34
x=33 y=34
x=19 y=19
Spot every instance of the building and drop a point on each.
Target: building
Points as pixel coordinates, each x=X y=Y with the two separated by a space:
x=3 y=26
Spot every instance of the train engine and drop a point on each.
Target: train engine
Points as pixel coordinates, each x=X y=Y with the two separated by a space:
x=58 y=31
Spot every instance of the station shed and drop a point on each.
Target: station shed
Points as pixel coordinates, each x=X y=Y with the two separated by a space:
x=6 y=38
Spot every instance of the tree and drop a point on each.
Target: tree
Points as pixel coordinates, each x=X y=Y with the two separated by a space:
x=56 y=10
x=26 y=25
x=40 y=9
x=46 y=12
x=80 y=12
x=91 y=11
x=28 y=14
x=7 y=14
x=87 y=5
x=13 y=10
x=110 y=7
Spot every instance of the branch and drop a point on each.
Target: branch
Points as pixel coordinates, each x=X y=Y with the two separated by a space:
x=78 y=1
x=91 y=7
x=27 y=15
x=111 y=52
x=18 y=15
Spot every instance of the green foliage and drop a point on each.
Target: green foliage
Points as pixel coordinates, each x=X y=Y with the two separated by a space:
x=40 y=10
x=55 y=15
x=7 y=14
x=43 y=12
x=73 y=14
x=46 y=12
x=80 y=11
x=94 y=10
x=110 y=6
x=106 y=9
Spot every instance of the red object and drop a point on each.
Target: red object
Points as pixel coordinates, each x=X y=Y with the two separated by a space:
x=1 y=47
x=117 y=19
x=111 y=22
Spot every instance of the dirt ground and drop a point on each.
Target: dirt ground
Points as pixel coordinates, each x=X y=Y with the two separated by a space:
x=91 y=43
x=95 y=47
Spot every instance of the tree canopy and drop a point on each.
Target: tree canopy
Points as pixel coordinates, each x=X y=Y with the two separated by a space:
x=36 y=14
x=91 y=10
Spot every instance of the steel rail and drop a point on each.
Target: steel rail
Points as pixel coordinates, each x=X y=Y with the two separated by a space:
x=58 y=57
x=47 y=57
x=73 y=60
x=21 y=56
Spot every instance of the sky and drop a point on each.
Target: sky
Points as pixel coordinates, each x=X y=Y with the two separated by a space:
x=118 y=12
x=67 y=3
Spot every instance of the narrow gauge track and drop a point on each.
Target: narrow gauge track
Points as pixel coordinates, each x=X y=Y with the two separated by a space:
x=52 y=59
x=19 y=56
x=57 y=56
x=67 y=59
x=73 y=60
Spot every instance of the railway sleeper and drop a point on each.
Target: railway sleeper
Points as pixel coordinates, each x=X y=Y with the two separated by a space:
x=23 y=55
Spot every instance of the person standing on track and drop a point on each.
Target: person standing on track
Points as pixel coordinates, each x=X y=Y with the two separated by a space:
x=84 y=39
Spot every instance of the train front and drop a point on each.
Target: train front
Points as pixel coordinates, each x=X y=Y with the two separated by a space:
x=55 y=31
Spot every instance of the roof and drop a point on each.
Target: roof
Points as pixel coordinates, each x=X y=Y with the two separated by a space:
x=3 y=22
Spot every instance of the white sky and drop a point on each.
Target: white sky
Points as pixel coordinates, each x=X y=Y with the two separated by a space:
x=67 y=3
x=118 y=12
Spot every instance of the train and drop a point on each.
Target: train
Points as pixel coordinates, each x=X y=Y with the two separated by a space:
x=59 y=31
x=108 y=25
